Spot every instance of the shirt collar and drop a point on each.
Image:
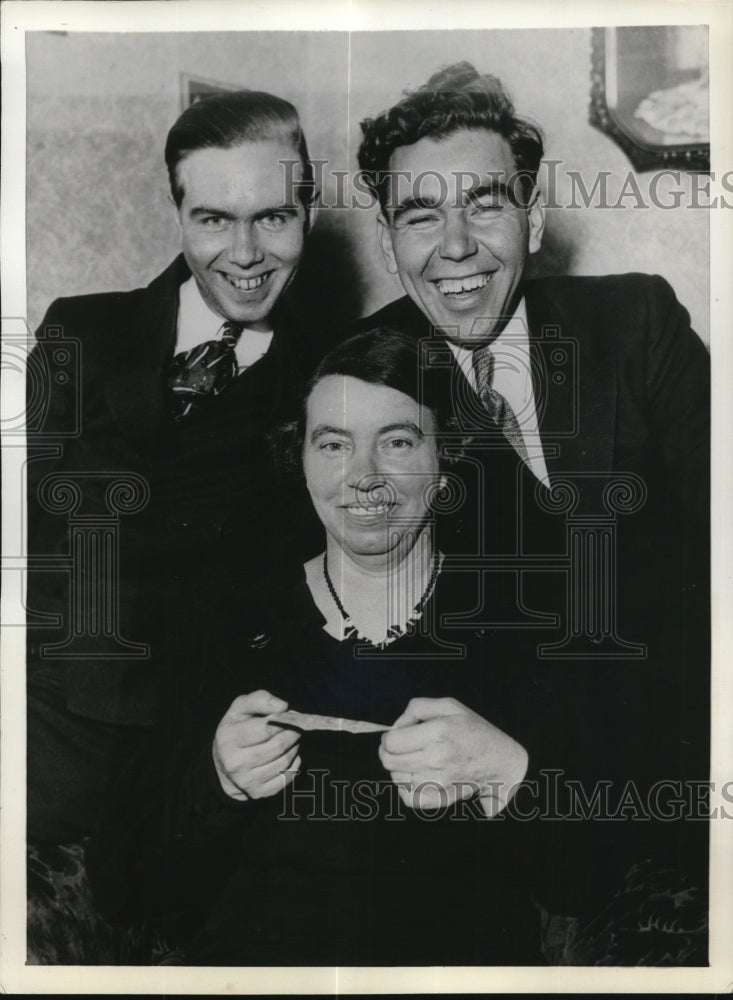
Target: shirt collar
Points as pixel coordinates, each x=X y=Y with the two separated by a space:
x=197 y=322
x=513 y=340
x=515 y=335
x=513 y=380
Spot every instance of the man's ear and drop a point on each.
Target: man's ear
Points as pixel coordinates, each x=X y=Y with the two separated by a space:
x=311 y=211
x=384 y=236
x=536 y=219
x=176 y=211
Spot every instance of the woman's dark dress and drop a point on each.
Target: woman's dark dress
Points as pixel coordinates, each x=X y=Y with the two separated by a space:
x=336 y=870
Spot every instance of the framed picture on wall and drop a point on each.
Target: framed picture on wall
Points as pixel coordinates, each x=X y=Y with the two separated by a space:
x=650 y=93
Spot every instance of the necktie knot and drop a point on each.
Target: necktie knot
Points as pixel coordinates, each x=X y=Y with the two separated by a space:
x=204 y=371
x=231 y=332
x=494 y=403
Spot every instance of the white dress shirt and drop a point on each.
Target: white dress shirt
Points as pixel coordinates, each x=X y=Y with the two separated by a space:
x=513 y=379
x=197 y=323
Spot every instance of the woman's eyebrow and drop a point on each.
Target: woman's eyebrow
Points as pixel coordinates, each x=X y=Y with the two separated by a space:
x=322 y=429
x=406 y=425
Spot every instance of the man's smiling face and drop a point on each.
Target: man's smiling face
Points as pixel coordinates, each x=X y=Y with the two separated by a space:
x=455 y=236
x=241 y=238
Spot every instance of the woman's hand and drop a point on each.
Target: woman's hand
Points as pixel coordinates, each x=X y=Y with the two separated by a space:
x=439 y=751
x=255 y=760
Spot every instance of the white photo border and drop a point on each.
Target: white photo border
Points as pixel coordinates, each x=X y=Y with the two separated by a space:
x=350 y=15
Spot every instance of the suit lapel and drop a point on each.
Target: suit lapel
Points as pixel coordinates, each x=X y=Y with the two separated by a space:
x=137 y=356
x=574 y=373
x=258 y=393
x=574 y=382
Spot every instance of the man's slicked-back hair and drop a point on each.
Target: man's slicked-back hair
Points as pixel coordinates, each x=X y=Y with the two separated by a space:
x=455 y=98
x=226 y=120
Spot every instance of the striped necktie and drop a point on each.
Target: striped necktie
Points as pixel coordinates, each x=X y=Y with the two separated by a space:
x=204 y=371
x=495 y=404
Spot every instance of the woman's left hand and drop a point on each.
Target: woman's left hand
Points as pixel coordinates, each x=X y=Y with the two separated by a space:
x=439 y=751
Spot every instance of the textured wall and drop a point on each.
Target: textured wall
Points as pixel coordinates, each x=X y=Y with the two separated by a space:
x=99 y=107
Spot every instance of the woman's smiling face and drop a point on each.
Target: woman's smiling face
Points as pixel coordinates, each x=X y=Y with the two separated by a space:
x=370 y=459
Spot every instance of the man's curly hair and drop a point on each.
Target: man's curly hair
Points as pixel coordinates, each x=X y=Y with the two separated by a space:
x=455 y=98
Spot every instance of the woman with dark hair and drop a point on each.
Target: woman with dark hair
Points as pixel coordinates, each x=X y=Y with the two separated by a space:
x=333 y=792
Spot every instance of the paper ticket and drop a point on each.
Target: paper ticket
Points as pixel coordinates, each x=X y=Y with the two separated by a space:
x=304 y=721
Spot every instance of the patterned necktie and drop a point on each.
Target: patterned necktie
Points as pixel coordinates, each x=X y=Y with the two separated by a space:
x=204 y=371
x=494 y=402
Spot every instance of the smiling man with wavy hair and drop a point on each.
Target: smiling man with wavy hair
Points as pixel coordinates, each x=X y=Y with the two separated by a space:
x=562 y=380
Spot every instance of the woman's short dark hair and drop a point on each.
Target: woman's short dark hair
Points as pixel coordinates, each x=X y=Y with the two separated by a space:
x=455 y=98
x=383 y=356
x=228 y=119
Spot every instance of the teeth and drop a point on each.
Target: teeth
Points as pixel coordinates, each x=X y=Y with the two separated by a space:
x=360 y=511
x=247 y=284
x=454 y=286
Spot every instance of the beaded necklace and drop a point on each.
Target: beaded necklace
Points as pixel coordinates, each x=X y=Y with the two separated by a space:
x=394 y=631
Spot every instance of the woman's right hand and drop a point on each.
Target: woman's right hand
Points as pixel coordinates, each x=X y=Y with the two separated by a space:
x=255 y=760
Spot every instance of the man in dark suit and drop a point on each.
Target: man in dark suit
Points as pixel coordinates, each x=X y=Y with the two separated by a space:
x=455 y=172
x=588 y=400
x=167 y=473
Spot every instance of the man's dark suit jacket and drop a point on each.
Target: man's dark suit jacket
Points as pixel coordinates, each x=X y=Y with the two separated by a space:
x=621 y=385
x=214 y=496
x=634 y=397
